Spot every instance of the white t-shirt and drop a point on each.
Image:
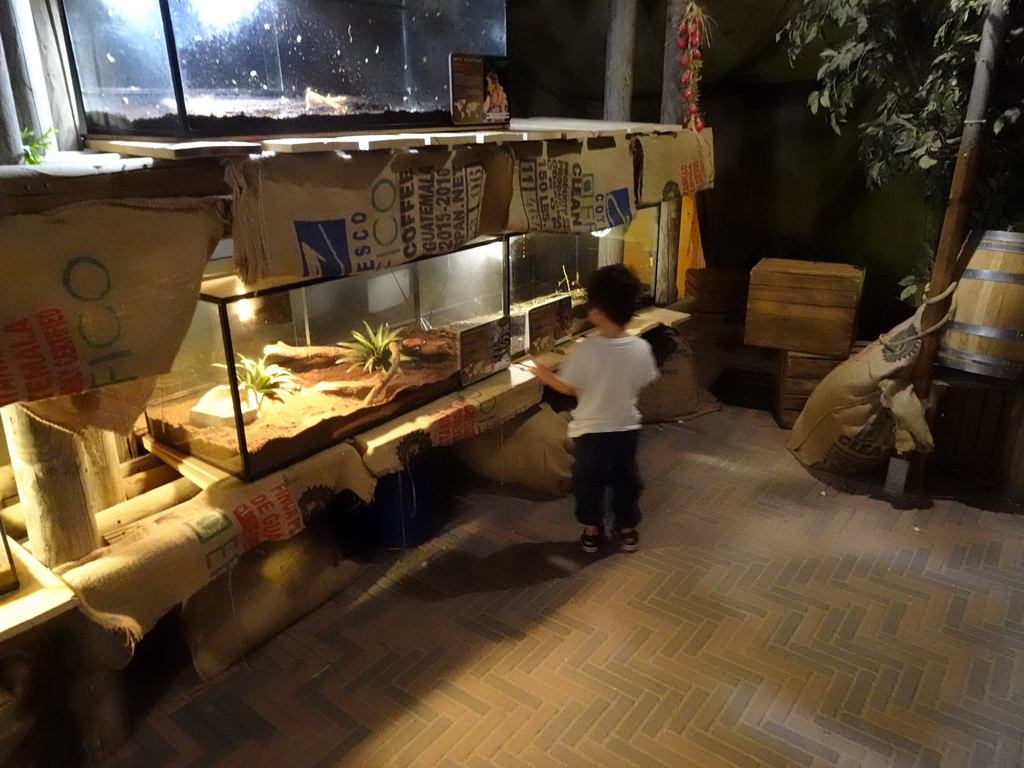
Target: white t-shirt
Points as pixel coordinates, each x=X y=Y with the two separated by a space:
x=607 y=374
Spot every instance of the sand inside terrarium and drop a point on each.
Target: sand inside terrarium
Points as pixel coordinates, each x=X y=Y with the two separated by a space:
x=329 y=405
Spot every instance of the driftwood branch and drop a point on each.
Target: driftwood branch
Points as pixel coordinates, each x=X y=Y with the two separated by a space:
x=350 y=388
x=302 y=358
x=395 y=348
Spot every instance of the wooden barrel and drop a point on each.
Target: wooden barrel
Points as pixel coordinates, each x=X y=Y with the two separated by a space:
x=986 y=335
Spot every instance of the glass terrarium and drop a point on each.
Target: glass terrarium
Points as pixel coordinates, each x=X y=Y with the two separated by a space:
x=245 y=67
x=548 y=268
x=265 y=378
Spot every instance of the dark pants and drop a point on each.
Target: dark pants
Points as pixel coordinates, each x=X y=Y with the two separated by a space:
x=607 y=459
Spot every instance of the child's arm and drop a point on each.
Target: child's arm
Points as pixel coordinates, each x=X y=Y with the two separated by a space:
x=549 y=377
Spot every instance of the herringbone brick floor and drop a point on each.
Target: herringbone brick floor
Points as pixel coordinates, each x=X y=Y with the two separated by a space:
x=768 y=621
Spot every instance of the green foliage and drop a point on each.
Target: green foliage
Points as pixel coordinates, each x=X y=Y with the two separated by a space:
x=902 y=68
x=913 y=285
x=901 y=73
x=370 y=351
x=34 y=146
x=263 y=379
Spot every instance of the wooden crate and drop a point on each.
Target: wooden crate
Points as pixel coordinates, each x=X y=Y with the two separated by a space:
x=803 y=306
x=717 y=290
x=799 y=374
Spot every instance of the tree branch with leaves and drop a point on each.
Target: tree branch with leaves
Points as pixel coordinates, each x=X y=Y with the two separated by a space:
x=899 y=74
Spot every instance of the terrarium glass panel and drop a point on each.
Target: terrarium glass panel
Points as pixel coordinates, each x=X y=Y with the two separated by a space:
x=123 y=71
x=544 y=267
x=315 y=363
x=272 y=66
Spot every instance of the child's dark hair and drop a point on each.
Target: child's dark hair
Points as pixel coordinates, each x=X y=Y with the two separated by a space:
x=614 y=290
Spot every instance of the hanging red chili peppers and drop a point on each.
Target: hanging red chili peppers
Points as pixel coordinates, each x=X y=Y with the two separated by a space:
x=692 y=35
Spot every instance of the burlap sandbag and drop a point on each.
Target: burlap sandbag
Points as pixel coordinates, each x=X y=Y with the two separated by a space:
x=864 y=408
x=270 y=588
x=675 y=394
x=532 y=450
x=101 y=293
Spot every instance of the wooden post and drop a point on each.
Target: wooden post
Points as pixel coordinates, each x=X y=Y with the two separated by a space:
x=671 y=104
x=10 y=132
x=958 y=208
x=62 y=480
x=17 y=68
x=618 y=81
x=961 y=195
x=58 y=87
x=667 y=262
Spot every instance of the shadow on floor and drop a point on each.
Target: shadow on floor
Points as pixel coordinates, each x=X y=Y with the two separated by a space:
x=458 y=573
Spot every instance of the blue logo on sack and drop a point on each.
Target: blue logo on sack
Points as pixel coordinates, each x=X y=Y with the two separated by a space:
x=324 y=248
x=618 y=208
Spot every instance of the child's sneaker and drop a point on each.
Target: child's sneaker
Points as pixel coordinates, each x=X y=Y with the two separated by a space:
x=630 y=541
x=592 y=541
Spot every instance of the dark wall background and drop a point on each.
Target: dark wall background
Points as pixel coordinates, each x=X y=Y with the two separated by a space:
x=786 y=184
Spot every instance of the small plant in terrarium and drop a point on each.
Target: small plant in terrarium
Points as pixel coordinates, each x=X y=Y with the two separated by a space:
x=257 y=380
x=373 y=350
x=572 y=286
x=264 y=379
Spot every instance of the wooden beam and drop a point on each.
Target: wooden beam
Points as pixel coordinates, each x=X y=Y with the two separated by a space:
x=671 y=104
x=618 y=66
x=26 y=189
x=954 y=223
x=49 y=466
x=962 y=191
x=156 y=500
x=59 y=89
x=667 y=260
x=10 y=131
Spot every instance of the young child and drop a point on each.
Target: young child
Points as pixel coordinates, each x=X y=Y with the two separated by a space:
x=605 y=372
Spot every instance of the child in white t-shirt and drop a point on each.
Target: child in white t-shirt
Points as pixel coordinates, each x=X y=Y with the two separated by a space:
x=605 y=372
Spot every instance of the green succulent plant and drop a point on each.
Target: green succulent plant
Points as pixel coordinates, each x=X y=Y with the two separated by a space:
x=263 y=379
x=34 y=145
x=369 y=351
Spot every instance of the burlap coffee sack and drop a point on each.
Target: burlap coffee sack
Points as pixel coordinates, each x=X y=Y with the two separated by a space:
x=849 y=424
x=686 y=160
x=571 y=186
x=531 y=450
x=101 y=294
x=176 y=553
x=270 y=587
x=328 y=214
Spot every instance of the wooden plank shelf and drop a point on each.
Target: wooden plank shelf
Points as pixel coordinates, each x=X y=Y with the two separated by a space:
x=345 y=143
x=41 y=596
x=187 y=150
x=530 y=129
x=198 y=471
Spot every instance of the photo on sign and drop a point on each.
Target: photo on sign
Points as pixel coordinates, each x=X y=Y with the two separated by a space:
x=478 y=90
